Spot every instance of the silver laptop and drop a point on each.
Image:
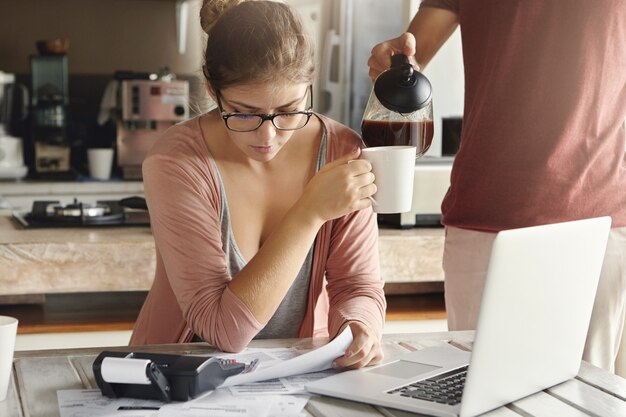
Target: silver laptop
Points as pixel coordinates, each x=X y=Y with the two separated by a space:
x=533 y=320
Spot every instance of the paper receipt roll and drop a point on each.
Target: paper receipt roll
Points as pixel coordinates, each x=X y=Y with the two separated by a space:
x=125 y=370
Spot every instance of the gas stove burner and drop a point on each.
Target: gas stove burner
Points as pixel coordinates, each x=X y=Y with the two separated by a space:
x=78 y=214
x=78 y=209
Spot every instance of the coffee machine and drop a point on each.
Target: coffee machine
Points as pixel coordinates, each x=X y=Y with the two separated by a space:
x=13 y=109
x=50 y=101
x=146 y=108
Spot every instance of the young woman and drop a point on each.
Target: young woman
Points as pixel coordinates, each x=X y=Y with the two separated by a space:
x=260 y=209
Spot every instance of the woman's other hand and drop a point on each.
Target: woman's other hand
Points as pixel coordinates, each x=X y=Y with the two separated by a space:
x=364 y=350
x=339 y=188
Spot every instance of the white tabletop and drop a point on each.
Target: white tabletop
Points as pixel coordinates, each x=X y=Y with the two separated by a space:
x=39 y=374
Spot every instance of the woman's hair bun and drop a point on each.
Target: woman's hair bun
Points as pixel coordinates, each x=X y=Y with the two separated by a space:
x=212 y=9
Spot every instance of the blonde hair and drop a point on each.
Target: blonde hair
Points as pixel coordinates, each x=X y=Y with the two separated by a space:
x=255 y=42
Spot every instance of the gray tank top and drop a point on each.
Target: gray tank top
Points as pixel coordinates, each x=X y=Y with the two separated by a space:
x=285 y=322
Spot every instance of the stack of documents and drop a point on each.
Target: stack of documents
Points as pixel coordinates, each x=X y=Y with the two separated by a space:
x=278 y=381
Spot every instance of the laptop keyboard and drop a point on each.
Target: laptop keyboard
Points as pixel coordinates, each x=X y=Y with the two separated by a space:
x=446 y=388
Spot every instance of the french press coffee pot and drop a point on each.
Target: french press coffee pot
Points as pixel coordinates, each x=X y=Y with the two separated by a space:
x=399 y=110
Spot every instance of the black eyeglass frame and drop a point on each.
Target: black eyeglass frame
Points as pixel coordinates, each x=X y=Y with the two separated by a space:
x=264 y=117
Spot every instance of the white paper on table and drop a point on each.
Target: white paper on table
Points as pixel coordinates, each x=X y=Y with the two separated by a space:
x=295 y=384
x=88 y=403
x=91 y=403
x=288 y=385
x=220 y=403
x=288 y=405
x=314 y=361
x=223 y=404
x=265 y=388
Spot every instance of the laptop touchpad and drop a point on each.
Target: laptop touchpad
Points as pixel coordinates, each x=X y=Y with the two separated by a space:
x=403 y=369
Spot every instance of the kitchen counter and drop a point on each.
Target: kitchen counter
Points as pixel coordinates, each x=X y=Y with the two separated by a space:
x=410 y=259
x=41 y=261
x=19 y=195
x=68 y=187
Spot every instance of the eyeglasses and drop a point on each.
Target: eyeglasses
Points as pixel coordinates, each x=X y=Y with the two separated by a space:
x=247 y=122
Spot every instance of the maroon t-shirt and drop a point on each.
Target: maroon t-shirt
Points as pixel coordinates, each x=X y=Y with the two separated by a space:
x=545 y=101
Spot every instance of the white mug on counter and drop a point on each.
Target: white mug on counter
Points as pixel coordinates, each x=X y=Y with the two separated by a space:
x=393 y=167
x=8 y=331
x=11 y=152
x=100 y=163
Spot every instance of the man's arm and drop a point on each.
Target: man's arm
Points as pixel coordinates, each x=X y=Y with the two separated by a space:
x=429 y=30
x=431 y=27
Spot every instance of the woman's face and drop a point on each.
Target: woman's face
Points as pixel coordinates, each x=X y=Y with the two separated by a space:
x=263 y=143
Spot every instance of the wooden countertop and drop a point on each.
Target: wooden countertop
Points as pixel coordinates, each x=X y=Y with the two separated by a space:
x=39 y=261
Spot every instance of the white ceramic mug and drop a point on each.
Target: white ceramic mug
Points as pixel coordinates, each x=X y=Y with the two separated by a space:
x=8 y=330
x=11 y=152
x=394 y=169
x=100 y=163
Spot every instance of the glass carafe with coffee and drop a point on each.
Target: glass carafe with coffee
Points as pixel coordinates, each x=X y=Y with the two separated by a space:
x=397 y=128
x=399 y=111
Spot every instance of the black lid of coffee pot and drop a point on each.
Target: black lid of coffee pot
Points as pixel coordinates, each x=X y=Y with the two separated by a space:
x=401 y=88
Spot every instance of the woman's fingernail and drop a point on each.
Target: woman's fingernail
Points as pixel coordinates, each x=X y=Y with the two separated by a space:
x=335 y=366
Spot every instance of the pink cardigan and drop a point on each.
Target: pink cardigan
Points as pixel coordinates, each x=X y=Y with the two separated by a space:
x=190 y=291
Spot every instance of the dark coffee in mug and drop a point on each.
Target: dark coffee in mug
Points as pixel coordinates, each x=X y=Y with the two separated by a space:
x=398 y=133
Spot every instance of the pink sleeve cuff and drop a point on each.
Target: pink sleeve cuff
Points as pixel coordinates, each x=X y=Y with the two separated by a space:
x=358 y=309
